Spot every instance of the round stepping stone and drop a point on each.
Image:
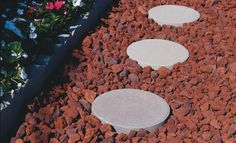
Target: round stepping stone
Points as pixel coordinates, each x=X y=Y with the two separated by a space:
x=131 y=109
x=157 y=53
x=174 y=15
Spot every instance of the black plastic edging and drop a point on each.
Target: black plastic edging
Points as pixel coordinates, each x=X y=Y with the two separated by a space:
x=11 y=116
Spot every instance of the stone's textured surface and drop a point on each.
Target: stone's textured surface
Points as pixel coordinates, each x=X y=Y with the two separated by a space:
x=127 y=109
x=174 y=15
x=89 y=95
x=163 y=72
x=19 y=141
x=105 y=128
x=232 y=130
x=133 y=77
x=215 y=123
x=196 y=90
x=142 y=10
x=157 y=53
x=206 y=136
x=233 y=67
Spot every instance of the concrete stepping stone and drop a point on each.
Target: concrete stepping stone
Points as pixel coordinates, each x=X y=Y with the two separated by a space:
x=157 y=53
x=174 y=15
x=131 y=109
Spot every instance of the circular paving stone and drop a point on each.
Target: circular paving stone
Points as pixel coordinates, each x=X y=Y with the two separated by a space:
x=174 y=15
x=157 y=53
x=131 y=109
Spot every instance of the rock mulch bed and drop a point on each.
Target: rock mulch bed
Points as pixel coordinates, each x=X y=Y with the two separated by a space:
x=201 y=91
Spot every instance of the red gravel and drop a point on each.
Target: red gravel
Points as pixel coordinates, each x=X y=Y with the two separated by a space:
x=201 y=91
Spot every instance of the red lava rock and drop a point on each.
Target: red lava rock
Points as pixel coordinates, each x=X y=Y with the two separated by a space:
x=60 y=123
x=46 y=110
x=123 y=73
x=232 y=130
x=121 y=137
x=189 y=123
x=175 y=105
x=200 y=91
x=133 y=67
x=101 y=81
x=233 y=67
x=153 y=74
x=75 y=89
x=136 y=139
x=94 y=140
x=89 y=95
x=110 y=134
x=54 y=140
x=73 y=138
x=214 y=92
x=106 y=128
x=63 y=138
x=141 y=133
x=204 y=107
x=34 y=137
x=44 y=137
x=110 y=61
x=21 y=131
x=80 y=124
x=205 y=128
x=147 y=69
x=70 y=112
x=132 y=133
x=215 y=123
x=186 y=94
x=217 y=138
x=82 y=113
x=133 y=77
x=182 y=111
x=206 y=136
x=144 y=86
x=87 y=41
x=108 y=140
x=19 y=141
x=88 y=135
x=172 y=129
x=92 y=120
x=142 y=10
x=29 y=129
x=163 y=72
x=181 y=126
x=44 y=128
x=116 y=68
x=32 y=121
x=85 y=104
x=153 y=140
x=216 y=104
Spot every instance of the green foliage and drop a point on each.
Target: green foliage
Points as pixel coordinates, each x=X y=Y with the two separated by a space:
x=12 y=74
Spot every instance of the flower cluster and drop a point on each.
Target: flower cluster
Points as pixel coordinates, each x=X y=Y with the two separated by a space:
x=29 y=30
x=56 y=5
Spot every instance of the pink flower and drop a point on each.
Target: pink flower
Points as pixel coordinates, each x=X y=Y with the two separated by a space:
x=49 y=6
x=65 y=12
x=59 y=4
